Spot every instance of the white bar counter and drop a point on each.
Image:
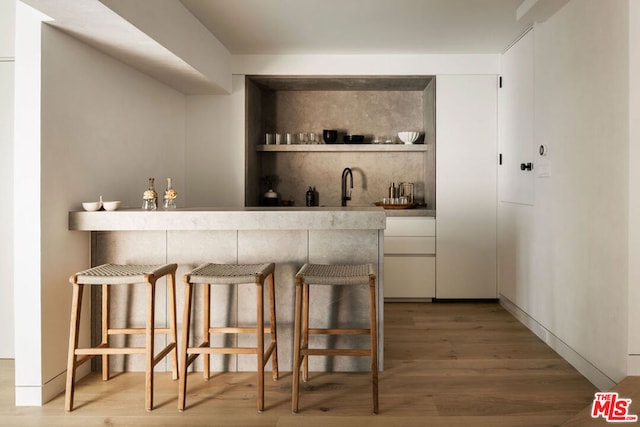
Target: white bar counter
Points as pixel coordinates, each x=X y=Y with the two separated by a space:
x=287 y=236
x=250 y=218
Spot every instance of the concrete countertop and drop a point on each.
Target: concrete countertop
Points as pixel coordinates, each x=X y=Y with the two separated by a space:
x=410 y=212
x=248 y=218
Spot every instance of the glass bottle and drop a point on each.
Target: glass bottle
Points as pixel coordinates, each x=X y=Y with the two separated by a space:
x=169 y=196
x=150 y=198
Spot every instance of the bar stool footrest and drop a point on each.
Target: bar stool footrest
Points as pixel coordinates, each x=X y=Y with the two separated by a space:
x=339 y=331
x=336 y=352
x=137 y=331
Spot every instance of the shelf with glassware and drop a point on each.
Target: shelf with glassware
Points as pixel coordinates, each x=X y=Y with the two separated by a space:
x=345 y=147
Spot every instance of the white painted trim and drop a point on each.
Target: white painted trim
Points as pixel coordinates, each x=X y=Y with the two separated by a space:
x=39 y=395
x=57 y=385
x=633 y=365
x=365 y=64
x=586 y=368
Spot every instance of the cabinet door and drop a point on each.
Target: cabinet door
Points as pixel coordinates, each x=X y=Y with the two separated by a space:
x=409 y=276
x=466 y=161
x=6 y=215
x=410 y=226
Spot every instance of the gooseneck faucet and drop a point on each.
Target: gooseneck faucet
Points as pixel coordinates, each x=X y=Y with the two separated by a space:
x=346 y=194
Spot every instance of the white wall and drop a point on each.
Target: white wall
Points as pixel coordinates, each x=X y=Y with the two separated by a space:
x=28 y=302
x=105 y=128
x=214 y=151
x=7 y=38
x=634 y=188
x=563 y=261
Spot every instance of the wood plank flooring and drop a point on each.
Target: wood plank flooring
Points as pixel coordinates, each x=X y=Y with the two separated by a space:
x=446 y=364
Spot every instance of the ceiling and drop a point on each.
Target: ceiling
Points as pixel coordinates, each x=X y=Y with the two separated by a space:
x=141 y=32
x=361 y=26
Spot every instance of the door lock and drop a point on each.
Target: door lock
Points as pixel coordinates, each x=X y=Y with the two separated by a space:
x=526 y=166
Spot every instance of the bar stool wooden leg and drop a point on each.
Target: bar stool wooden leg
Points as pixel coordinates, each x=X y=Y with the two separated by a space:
x=106 y=306
x=206 y=325
x=186 y=325
x=374 y=342
x=305 y=331
x=76 y=308
x=272 y=326
x=171 y=286
x=150 y=340
x=260 y=339
x=296 y=347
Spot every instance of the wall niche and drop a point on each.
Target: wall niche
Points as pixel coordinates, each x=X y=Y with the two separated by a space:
x=373 y=106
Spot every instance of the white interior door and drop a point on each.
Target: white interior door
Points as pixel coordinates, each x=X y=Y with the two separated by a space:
x=516 y=138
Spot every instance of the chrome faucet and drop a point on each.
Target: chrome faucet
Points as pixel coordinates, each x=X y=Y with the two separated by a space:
x=346 y=195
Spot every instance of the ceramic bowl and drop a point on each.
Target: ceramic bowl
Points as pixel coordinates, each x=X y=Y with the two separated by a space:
x=408 y=137
x=353 y=139
x=111 y=205
x=330 y=136
x=91 y=206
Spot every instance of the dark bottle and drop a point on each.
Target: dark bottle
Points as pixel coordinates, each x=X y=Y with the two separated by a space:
x=311 y=197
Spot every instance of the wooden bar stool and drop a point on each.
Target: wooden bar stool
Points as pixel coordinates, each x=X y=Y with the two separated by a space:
x=229 y=274
x=319 y=274
x=107 y=275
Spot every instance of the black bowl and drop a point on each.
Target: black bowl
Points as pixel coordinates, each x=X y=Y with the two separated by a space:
x=330 y=136
x=353 y=139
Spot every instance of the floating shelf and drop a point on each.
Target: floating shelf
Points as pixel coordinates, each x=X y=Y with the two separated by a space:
x=345 y=147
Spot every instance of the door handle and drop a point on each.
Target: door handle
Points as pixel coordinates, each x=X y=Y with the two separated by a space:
x=526 y=166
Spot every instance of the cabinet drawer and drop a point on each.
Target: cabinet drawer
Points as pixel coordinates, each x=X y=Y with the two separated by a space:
x=410 y=245
x=414 y=226
x=409 y=277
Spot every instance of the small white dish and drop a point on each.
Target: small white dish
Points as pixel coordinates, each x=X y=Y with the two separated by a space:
x=91 y=206
x=408 y=137
x=111 y=205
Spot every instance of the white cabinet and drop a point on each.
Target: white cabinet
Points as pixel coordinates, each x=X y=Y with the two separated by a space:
x=466 y=163
x=409 y=258
x=6 y=215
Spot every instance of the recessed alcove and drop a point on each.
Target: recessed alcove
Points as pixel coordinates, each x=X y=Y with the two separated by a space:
x=373 y=106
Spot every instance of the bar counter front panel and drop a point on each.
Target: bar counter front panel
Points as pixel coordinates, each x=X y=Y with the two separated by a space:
x=289 y=237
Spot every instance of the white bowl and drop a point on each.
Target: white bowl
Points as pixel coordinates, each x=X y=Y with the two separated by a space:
x=111 y=206
x=91 y=206
x=408 y=137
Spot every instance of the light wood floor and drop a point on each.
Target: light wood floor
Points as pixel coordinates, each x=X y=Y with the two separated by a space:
x=446 y=364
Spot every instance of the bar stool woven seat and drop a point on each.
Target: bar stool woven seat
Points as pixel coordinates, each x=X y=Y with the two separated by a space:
x=336 y=274
x=341 y=275
x=229 y=274
x=107 y=275
x=119 y=274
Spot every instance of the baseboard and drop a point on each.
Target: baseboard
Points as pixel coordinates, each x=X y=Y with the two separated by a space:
x=582 y=365
x=633 y=365
x=39 y=395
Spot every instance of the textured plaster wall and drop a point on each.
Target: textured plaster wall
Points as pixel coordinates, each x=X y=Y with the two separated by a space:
x=381 y=113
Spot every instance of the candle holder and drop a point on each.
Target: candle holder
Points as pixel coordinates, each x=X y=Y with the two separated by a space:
x=170 y=195
x=150 y=197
